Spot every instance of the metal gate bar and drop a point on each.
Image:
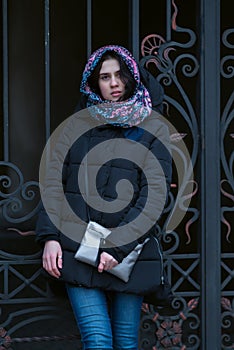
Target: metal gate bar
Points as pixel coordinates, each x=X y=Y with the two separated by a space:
x=5 y=82
x=134 y=30
x=210 y=175
x=47 y=66
x=89 y=27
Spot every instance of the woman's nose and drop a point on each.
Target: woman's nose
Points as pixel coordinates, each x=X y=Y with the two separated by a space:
x=114 y=81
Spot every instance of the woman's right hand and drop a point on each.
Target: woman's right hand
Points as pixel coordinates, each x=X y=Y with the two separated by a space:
x=52 y=258
x=107 y=262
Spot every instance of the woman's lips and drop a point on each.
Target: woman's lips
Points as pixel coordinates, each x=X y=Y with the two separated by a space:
x=116 y=93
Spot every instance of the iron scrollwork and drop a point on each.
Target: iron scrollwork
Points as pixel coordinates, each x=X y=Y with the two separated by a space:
x=17 y=196
x=170 y=326
x=227 y=191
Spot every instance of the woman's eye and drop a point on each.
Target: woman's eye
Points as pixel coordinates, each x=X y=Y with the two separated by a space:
x=104 y=77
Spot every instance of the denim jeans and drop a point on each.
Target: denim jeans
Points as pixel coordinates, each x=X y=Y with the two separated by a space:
x=103 y=324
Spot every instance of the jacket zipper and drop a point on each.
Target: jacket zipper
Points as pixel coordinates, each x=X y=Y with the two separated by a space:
x=161 y=260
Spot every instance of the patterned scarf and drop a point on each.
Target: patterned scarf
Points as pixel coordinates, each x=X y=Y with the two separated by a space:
x=126 y=113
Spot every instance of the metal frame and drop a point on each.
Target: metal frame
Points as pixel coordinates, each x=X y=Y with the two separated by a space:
x=196 y=274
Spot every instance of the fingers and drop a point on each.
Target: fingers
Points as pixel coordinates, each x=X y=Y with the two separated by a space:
x=107 y=262
x=60 y=261
x=52 y=258
x=101 y=266
x=52 y=264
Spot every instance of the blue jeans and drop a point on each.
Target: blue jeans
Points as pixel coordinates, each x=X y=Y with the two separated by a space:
x=105 y=325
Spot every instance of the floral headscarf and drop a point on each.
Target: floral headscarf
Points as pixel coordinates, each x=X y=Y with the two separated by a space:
x=126 y=113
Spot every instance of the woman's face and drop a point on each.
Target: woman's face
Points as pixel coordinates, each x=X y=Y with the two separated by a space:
x=111 y=86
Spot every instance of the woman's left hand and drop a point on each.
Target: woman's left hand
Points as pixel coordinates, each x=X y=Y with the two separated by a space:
x=52 y=258
x=107 y=262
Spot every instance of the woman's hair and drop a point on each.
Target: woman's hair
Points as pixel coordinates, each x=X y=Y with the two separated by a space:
x=125 y=75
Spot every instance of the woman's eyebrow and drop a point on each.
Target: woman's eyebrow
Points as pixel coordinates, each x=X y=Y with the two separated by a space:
x=105 y=73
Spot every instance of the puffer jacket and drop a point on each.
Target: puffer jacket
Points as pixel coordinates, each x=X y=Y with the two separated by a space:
x=148 y=269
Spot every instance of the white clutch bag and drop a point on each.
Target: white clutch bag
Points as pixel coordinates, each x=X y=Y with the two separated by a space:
x=123 y=270
x=88 y=251
x=89 y=247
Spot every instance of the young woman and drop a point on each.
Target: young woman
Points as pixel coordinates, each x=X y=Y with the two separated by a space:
x=106 y=308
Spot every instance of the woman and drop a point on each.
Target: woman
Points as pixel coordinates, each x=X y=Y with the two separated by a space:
x=106 y=308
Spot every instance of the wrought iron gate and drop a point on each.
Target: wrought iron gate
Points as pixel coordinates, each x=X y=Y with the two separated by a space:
x=188 y=46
